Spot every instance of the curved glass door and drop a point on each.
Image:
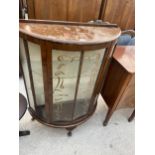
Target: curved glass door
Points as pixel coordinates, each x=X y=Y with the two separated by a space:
x=65 y=72
x=74 y=78
x=24 y=64
x=91 y=64
x=37 y=74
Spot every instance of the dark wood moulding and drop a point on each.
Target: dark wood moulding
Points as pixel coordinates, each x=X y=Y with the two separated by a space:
x=67 y=36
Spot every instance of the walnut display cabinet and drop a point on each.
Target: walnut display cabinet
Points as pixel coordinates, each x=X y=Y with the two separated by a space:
x=63 y=65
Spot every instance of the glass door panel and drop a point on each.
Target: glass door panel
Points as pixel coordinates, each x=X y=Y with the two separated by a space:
x=37 y=73
x=65 y=72
x=26 y=73
x=91 y=64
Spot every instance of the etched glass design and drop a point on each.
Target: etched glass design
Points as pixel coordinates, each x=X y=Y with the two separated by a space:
x=65 y=72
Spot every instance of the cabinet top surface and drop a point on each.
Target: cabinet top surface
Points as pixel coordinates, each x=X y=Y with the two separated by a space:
x=125 y=55
x=70 y=33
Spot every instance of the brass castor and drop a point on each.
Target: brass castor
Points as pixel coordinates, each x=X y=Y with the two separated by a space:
x=70 y=131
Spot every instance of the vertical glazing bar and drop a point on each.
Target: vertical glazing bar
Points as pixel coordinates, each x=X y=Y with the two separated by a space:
x=77 y=82
x=30 y=70
x=49 y=79
x=45 y=81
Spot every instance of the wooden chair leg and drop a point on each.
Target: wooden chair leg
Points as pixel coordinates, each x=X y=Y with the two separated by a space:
x=108 y=116
x=132 y=116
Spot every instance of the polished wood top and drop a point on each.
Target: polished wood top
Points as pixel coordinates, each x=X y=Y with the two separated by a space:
x=65 y=32
x=125 y=55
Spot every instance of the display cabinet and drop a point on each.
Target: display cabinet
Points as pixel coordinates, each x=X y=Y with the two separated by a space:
x=63 y=65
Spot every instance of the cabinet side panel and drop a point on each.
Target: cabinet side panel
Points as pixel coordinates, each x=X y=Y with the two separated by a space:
x=114 y=82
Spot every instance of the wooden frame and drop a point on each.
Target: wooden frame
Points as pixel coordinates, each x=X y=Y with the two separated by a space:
x=46 y=53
